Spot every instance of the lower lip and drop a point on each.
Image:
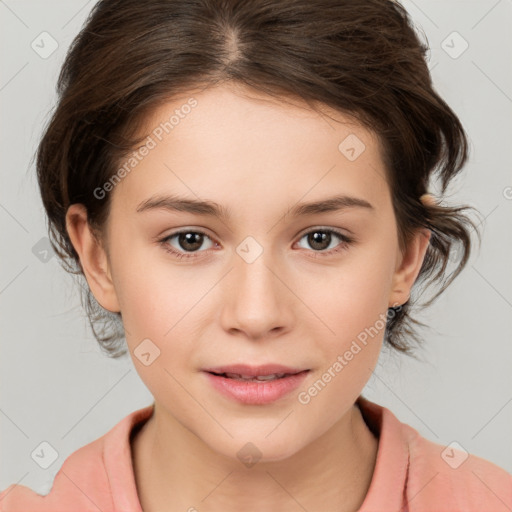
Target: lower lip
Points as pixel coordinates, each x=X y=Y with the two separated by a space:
x=256 y=392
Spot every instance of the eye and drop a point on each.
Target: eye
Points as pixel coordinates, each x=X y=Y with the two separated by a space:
x=187 y=240
x=320 y=239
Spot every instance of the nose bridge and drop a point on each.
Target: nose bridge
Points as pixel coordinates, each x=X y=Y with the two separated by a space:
x=255 y=270
x=258 y=300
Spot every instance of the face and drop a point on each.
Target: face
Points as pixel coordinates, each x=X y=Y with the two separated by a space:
x=266 y=283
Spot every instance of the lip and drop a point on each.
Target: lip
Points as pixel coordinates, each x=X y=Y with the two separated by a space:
x=253 y=371
x=256 y=392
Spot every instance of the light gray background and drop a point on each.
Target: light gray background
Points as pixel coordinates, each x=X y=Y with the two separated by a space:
x=56 y=385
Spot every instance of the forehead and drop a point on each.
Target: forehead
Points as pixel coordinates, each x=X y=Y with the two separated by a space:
x=218 y=108
x=230 y=144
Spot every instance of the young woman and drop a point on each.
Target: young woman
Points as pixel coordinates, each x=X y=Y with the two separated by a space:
x=244 y=186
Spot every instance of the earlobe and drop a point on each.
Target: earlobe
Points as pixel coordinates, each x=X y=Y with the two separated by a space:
x=93 y=257
x=408 y=267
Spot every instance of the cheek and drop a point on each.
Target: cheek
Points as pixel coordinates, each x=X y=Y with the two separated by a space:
x=157 y=311
x=351 y=298
x=153 y=292
x=352 y=307
x=357 y=318
x=161 y=304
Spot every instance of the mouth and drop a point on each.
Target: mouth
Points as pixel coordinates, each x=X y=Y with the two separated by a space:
x=264 y=372
x=260 y=378
x=256 y=385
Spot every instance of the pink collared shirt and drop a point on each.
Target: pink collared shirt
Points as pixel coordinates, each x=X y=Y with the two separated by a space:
x=412 y=474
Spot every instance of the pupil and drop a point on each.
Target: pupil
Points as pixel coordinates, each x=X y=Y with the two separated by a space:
x=194 y=240
x=314 y=240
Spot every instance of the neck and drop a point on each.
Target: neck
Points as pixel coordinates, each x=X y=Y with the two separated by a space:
x=175 y=471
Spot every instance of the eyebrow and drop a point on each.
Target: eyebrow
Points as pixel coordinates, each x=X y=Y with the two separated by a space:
x=212 y=209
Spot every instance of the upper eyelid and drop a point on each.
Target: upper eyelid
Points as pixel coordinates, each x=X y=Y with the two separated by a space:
x=336 y=231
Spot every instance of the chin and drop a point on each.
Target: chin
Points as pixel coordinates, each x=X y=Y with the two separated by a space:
x=250 y=451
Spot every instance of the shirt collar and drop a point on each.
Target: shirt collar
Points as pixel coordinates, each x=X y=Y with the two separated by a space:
x=388 y=484
x=387 y=487
x=119 y=463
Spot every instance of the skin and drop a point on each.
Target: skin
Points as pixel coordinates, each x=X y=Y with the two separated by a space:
x=258 y=157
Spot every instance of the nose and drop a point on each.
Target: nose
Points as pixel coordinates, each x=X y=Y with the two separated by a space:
x=258 y=300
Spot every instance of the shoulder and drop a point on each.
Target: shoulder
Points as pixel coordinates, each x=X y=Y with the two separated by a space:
x=97 y=476
x=446 y=478
x=77 y=486
x=414 y=474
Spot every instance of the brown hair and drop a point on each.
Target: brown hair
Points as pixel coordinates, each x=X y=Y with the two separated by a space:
x=360 y=57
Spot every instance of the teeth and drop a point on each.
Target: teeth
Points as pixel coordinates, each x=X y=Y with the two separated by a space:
x=258 y=377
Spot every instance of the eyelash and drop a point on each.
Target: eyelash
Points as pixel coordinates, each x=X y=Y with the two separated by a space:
x=345 y=242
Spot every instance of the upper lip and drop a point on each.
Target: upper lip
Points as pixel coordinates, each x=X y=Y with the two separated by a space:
x=254 y=371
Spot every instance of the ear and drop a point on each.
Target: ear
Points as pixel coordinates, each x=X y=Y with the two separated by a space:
x=408 y=267
x=93 y=257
